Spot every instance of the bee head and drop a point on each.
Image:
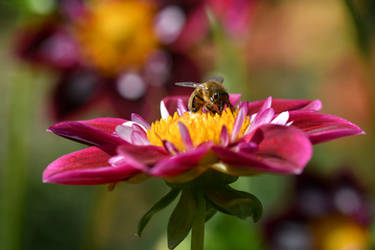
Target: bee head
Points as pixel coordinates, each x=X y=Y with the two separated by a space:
x=219 y=97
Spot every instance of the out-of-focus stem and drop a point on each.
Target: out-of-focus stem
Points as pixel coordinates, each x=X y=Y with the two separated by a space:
x=99 y=227
x=230 y=60
x=15 y=161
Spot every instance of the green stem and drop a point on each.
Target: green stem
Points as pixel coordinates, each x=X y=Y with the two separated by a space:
x=99 y=227
x=197 y=234
x=16 y=160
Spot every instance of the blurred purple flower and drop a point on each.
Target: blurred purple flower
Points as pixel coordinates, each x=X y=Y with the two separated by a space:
x=122 y=52
x=324 y=213
x=273 y=136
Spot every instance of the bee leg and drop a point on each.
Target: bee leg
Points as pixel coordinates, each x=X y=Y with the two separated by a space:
x=196 y=104
x=194 y=109
x=231 y=107
x=211 y=109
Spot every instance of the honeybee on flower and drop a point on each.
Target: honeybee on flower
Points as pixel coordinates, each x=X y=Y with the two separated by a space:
x=210 y=95
x=198 y=154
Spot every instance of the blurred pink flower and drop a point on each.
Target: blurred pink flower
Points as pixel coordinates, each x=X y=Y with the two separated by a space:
x=273 y=136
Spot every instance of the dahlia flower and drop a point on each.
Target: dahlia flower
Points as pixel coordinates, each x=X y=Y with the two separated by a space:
x=124 y=53
x=198 y=154
x=119 y=52
x=324 y=213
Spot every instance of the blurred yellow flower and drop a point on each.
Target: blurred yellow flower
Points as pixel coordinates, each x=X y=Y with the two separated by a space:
x=340 y=233
x=118 y=34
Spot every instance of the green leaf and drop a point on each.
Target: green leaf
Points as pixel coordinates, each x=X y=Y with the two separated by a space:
x=161 y=204
x=181 y=219
x=234 y=202
x=210 y=211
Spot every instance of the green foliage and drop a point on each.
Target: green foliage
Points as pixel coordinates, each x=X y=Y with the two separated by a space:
x=161 y=204
x=237 y=203
x=181 y=220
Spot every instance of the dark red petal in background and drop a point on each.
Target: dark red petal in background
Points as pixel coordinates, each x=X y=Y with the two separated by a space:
x=75 y=92
x=183 y=69
x=72 y=9
x=47 y=44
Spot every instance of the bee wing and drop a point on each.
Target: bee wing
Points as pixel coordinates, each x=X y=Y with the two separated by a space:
x=187 y=84
x=217 y=79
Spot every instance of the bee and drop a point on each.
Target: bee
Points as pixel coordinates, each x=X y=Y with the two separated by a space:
x=210 y=95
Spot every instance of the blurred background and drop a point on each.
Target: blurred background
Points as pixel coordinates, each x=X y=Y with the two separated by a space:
x=77 y=59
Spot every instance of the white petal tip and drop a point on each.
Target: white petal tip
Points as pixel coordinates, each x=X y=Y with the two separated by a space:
x=281 y=119
x=163 y=110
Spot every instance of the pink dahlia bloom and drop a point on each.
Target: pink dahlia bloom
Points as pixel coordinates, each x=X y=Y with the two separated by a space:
x=274 y=136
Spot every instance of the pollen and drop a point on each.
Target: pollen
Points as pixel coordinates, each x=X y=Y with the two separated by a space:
x=203 y=127
x=117 y=34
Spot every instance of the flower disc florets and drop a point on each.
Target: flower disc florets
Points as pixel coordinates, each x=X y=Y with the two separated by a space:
x=202 y=127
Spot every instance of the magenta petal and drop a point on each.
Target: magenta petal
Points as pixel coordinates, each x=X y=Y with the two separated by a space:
x=171 y=102
x=234 y=98
x=181 y=162
x=282 y=150
x=239 y=120
x=138 y=128
x=139 y=138
x=266 y=105
x=323 y=127
x=280 y=105
x=285 y=143
x=126 y=160
x=247 y=147
x=86 y=167
x=315 y=105
x=224 y=136
x=106 y=124
x=138 y=119
x=79 y=131
x=181 y=108
x=124 y=132
x=264 y=117
x=170 y=147
x=185 y=135
x=145 y=154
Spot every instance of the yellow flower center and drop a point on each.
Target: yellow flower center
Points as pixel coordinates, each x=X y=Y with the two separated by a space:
x=203 y=127
x=340 y=233
x=117 y=34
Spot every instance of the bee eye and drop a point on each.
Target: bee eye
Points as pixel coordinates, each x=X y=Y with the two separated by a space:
x=216 y=95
